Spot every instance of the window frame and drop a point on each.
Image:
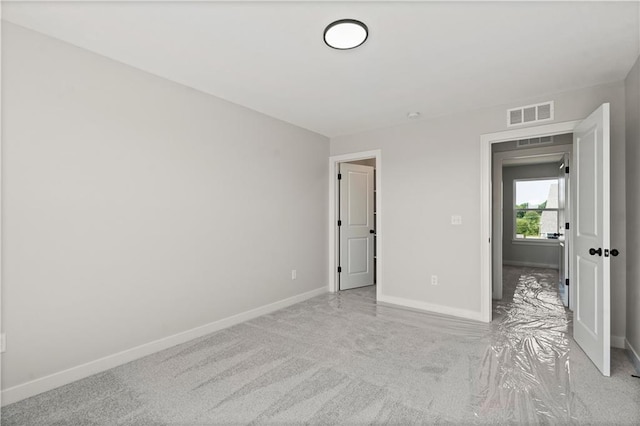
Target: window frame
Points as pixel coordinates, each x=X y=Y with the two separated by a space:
x=514 y=228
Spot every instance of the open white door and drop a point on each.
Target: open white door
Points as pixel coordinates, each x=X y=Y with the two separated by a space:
x=591 y=233
x=356 y=226
x=563 y=218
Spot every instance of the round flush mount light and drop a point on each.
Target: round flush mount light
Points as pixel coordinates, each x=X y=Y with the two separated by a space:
x=345 y=34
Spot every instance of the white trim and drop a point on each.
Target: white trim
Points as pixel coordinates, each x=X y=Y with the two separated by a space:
x=486 y=256
x=617 y=342
x=333 y=218
x=52 y=381
x=1 y=329
x=635 y=358
x=429 y=307
x=530 y=264
x=499 y=159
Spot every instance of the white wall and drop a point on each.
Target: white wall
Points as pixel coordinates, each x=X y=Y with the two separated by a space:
x=135 y=208
x=521 y=252
x=432 y=171
x=632 y=92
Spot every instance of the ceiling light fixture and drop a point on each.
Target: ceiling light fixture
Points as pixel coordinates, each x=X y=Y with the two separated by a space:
x=345 y=34
x=413 y=115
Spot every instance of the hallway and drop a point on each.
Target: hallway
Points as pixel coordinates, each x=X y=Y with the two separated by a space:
x=526 y=367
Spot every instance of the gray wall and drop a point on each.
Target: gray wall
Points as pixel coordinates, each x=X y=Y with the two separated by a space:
x=431 y=170
x=135 y=208
x=523 y=252
x=632 y=255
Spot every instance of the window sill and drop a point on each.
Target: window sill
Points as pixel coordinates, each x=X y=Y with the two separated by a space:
x=533 y=242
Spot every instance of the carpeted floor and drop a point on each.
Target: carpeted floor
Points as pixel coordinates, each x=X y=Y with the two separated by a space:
x=341 y=359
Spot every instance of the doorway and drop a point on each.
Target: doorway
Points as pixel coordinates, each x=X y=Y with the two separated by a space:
x=363 y=159
x=530 y=208
x=488 y=254
x=356 y=224
x=590 y=228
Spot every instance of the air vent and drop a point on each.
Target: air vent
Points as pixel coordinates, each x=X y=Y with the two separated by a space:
x=530 y=114
x=545 y=140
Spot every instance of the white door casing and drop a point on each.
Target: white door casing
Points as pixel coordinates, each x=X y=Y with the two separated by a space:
x=357 y=224
x=591 y=230
x=497 y=208
x=490 y=237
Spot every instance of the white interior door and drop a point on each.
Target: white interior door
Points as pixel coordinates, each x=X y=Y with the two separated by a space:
x=356 y=226
x=563 y=261
x=591 y=233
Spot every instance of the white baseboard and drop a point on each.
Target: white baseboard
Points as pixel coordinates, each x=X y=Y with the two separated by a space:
x=617 y=342
x=429 y=307
x=529 y=264
x=635 y=358
x=61 y=378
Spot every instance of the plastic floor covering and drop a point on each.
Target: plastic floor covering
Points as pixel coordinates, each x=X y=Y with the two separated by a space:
x=343 y=359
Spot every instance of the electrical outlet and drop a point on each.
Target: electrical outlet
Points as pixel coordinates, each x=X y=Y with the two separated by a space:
x=294 y=274
x=3 y=342
x=456 y=220
x=434 y=280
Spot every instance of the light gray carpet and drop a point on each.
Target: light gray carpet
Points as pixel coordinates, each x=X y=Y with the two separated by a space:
x=341 y=359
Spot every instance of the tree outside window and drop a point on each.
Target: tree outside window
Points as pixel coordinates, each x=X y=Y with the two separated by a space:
x=536 y=208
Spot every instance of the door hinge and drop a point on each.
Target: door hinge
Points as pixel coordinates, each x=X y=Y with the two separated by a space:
x=339 y=269
x=566 y=282
x=566 y=169
x=339 y=223
x=339 y=176
x=566 y=225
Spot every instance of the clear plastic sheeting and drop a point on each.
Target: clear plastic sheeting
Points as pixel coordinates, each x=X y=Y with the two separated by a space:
x=524 y=374
x=346 y=359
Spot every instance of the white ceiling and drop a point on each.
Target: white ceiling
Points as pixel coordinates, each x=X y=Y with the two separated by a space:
x=436 y=58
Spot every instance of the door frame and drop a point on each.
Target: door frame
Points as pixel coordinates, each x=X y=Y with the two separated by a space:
x=498 y=203
x=486 y=214
x=334 y=161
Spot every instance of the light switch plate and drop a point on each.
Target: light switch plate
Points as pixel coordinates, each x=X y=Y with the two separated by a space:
x=456 y=220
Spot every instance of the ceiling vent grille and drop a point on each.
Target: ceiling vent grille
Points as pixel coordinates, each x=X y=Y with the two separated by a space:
x=530 y=114
x=545 y=140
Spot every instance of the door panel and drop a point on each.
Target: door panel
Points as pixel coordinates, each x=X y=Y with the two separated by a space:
x=357 y=217
x=590 y=190
x=588 y=295
x=358 y=253
x=586 y=224
x=357 y=198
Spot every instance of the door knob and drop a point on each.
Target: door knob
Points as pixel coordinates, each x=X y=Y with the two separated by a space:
x=593 y=251
x=614 y=252
x=372 y=231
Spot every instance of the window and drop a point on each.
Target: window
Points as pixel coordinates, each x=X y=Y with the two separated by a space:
x=536 y=209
